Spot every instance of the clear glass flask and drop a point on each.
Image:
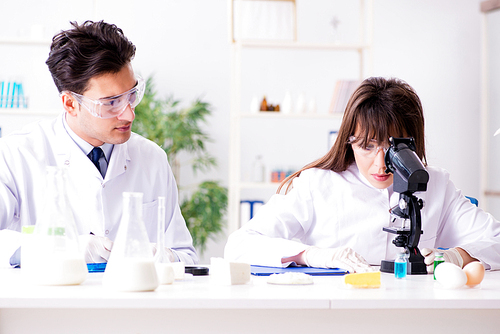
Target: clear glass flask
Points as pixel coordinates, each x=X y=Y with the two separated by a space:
x=164 y=268
x=131 y=266
x=51 y=256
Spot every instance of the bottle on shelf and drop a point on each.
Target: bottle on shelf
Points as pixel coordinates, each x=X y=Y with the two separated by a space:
x=301 y=107
x=286 y=105
x=255 y=105
x=263 y=104
x=258 y=170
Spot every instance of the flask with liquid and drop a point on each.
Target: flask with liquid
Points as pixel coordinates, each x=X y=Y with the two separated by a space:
x=131 y=265
x=400 y=265
x=438 y=259
x=51 y=255
x=164 y=267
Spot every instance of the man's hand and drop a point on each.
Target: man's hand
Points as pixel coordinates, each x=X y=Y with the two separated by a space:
x=97 y=249
x=168 y=252
x=341 y=257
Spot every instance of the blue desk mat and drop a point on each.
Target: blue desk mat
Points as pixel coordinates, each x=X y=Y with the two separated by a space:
x=266 y=271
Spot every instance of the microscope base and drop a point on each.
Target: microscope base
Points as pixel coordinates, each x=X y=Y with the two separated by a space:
x=413 y=268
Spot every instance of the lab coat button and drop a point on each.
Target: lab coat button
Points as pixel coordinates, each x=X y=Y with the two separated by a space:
x=66 y=162
x=106 y=232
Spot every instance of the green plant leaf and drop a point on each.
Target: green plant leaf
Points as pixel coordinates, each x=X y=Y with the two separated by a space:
x=176 y=129
x=204 y=212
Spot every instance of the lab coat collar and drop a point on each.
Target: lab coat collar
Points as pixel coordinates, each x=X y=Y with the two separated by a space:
x=85 y=146
x=355 y=171
x=68 y=152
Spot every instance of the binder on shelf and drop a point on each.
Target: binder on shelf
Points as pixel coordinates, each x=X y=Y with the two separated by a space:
x=12 y=95
x=341 y=95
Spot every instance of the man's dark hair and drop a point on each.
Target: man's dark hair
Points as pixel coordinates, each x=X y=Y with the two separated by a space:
x=85 y=51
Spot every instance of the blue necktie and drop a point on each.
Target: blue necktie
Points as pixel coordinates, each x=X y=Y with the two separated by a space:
x=94 y=156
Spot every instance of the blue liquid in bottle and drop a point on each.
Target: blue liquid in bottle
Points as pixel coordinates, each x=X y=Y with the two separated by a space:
x=400 y=266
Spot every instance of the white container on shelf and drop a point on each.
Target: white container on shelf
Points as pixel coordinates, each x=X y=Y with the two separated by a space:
x=286 y=105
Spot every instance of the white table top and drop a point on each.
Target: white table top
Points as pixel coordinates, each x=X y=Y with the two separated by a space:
x=199 y=292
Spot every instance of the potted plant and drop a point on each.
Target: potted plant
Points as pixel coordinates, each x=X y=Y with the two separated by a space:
x=177 y=130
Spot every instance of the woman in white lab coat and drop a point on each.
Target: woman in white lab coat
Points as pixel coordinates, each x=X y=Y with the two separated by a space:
x=335 y=208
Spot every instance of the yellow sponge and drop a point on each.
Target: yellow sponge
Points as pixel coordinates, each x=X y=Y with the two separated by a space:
x=370 y=280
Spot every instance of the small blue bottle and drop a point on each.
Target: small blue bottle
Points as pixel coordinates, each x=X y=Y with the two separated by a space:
x=400 y=265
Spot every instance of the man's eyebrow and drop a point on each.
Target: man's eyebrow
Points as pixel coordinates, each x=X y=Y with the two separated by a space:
x=115 y=96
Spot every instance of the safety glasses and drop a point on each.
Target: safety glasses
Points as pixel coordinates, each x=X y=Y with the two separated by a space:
x=113 y=106
x=370 y=150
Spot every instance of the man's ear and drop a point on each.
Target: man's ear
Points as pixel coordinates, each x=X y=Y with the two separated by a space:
x=69 y=103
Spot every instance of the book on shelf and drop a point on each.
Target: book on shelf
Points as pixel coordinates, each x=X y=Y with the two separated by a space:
x=341 y=95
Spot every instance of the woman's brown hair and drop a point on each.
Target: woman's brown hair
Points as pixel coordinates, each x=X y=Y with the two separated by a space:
x=379 y=108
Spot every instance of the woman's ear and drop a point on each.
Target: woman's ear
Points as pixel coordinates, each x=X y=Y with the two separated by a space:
x=69 y=103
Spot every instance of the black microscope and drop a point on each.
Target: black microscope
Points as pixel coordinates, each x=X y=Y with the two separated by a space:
x=410 y=176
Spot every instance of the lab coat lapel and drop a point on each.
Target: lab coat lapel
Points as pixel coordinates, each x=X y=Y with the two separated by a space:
x=67 y=152
x=118 y=162
x=378 y=243
x=84 y=180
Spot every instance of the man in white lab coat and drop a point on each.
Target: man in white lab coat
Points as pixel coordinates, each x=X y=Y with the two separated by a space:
x=91 y=67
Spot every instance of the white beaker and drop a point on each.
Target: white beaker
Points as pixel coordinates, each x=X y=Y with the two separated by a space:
x=131 y=266
x=51 y=256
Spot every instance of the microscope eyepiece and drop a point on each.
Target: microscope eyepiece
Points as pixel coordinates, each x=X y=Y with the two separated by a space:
x=410 y=174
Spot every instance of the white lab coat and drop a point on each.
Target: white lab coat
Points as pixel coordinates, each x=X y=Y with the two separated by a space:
x=137 y=165
x=329 y=209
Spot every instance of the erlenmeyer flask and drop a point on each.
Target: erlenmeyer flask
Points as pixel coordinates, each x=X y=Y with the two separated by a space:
x=53 y=256
x=131 y=266
x=164 y=268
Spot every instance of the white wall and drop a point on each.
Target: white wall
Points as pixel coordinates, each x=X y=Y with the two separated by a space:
x=433 y=45
x=436 y=49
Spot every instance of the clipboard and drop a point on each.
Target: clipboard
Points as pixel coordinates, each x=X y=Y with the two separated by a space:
x=266 y=271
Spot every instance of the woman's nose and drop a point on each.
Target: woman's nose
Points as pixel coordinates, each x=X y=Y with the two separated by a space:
x=380 y=158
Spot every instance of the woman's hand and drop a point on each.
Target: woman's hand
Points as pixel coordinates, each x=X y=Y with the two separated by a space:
x=341 y=257
x=452 y=255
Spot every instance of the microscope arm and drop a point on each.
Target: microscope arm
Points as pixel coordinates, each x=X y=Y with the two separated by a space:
x=409 y=208
x=416 y=260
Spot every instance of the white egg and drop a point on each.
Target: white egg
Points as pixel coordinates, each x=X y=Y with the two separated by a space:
x=450 y=275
